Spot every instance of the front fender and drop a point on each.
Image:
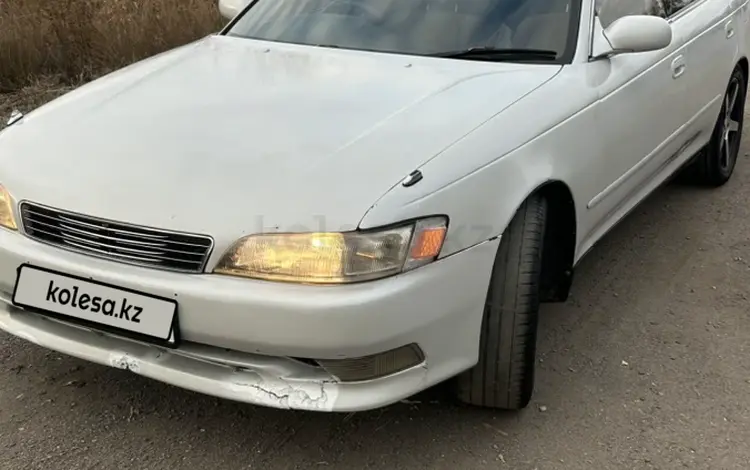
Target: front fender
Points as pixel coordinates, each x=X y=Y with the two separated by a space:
x=480 y=205
x=480 y=181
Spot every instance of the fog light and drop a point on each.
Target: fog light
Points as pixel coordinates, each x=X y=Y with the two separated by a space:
x=375 y=366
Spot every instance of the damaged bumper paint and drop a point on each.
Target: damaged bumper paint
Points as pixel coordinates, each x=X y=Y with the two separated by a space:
x=243 y=340
x=262 y=380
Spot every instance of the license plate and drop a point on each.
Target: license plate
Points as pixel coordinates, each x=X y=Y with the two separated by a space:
x=100 y=305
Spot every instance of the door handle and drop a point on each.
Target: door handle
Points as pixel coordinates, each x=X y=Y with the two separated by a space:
x=729 y=29
x=678 y=67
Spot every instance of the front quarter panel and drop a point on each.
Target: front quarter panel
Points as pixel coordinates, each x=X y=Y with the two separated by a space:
x=480 y=181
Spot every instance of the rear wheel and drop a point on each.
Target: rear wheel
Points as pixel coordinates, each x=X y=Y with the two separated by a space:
x=715 y=164
x=504 y=376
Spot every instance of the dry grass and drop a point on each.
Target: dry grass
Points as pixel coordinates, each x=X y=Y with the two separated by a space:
x=64 y=42
x=31 y=96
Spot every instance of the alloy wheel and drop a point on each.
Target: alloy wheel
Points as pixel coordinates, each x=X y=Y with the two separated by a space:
x=729 y=142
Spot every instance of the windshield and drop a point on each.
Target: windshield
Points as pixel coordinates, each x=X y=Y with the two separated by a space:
x=422 y=27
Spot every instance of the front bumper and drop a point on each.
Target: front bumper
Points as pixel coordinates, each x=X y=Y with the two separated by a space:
x=239 y=336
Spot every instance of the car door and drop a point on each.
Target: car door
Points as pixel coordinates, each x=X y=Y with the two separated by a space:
x=713 y=32
x=742 y=23
x=640 y=112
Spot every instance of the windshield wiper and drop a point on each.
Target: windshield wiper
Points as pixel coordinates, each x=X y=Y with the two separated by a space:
x=498 y=54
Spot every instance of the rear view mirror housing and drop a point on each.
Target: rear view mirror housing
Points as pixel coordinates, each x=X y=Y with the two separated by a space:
x=633 y=34
x=231 y=8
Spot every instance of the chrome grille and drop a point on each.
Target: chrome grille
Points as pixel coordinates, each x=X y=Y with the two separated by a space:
x=117 y=241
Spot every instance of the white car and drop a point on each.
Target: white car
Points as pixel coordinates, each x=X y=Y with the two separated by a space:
x=335 y=204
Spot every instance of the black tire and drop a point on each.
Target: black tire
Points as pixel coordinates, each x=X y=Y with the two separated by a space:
x=715 y=164
x=504 y=376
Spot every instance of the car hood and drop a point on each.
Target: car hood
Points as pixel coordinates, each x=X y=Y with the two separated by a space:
x=230 y=136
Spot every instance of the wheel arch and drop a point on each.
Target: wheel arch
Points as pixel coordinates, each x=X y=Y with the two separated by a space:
x=559 y=241
x=743 y=64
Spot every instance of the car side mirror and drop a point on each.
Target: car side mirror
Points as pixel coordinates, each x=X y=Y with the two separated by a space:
x=636 y=33
x=231 y=8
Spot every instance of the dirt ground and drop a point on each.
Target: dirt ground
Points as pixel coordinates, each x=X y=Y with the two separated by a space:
x=645 y=367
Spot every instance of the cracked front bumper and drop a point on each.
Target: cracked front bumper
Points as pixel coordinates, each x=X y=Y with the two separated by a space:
x=240 y=336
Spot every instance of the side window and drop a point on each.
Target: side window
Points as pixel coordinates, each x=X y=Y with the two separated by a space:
x=611 y=10
x=673 y=6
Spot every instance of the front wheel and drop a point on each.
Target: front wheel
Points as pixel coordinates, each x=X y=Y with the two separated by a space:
x=504 y=376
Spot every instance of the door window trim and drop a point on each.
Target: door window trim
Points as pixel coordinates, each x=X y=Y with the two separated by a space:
x=683 y=11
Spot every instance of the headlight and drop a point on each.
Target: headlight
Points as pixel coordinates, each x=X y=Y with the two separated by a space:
x=335 y=258
x=6 y=210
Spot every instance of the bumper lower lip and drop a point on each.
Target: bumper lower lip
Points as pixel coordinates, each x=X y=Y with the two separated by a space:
x=275 y=382
x=239 y=335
